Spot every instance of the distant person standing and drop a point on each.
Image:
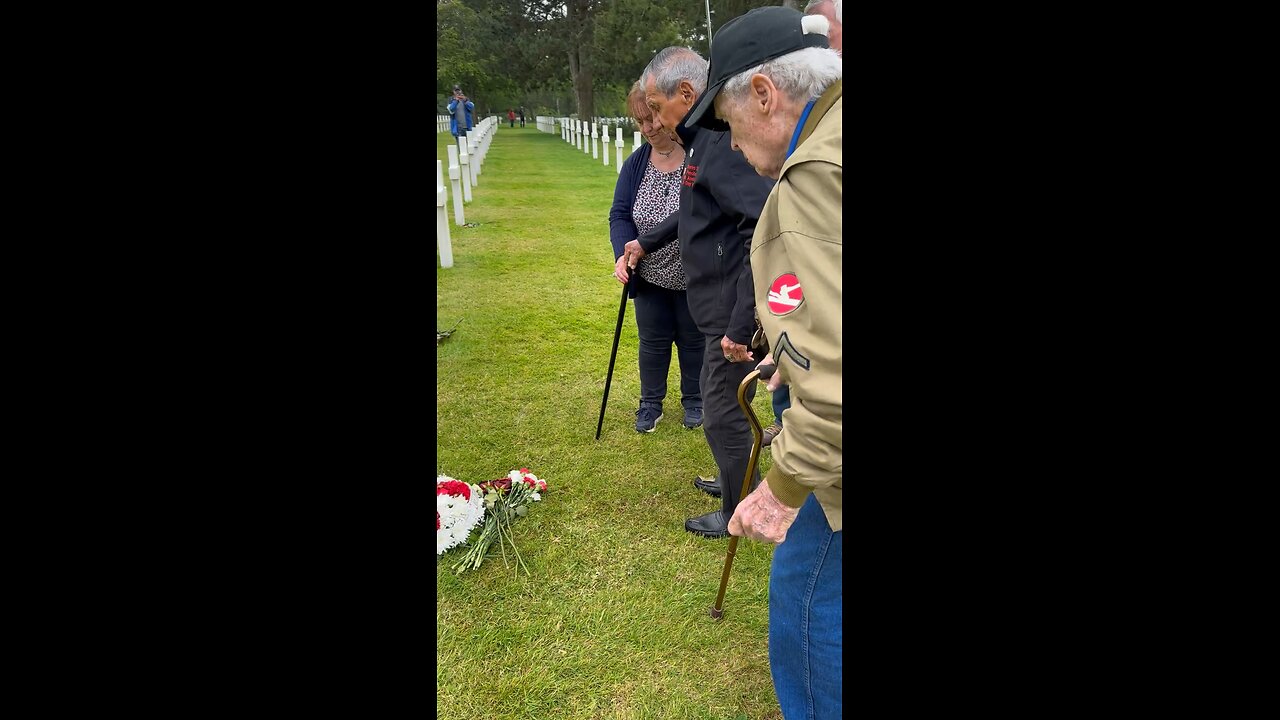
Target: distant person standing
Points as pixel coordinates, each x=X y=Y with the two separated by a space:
x=460 y=112
x=511 y=117
x=831 y=10
x=521 y=117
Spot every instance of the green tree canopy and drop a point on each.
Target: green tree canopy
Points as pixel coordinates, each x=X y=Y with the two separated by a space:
x=565 y=56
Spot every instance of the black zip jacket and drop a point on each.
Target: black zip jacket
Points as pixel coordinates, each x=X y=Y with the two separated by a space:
x=720 y=201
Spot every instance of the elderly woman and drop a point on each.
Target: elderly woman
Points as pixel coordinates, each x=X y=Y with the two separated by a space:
x=648 y=190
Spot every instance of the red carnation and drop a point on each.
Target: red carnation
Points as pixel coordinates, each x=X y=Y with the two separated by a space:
x=454 y=487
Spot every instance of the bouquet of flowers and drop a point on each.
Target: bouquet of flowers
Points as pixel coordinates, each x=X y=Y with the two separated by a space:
x=459 y=508
x=505 y=499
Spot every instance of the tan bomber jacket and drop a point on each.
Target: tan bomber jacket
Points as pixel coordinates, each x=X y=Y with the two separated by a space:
x=796 y=256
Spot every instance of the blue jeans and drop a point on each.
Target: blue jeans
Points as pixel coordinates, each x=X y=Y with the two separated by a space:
x=806 y=619
x=781 y=401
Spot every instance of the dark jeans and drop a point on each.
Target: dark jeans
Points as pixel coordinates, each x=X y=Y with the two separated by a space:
x=781 y=401
x=724 y=423
x=662 y=318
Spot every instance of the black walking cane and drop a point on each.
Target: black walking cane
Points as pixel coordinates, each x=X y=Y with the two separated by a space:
x=763 y=373
x=613 y=355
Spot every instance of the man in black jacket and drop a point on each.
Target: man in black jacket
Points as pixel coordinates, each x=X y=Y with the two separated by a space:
x=720 y=202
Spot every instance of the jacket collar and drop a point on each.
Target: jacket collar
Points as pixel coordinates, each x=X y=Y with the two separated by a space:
x=820 y=108
x=687 y=134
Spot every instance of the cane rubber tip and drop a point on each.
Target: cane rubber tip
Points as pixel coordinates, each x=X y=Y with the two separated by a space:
x=717 y=614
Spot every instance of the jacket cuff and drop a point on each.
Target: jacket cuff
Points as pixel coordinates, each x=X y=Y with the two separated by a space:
x=742 y=340
x=742 y=324
x=788 y=491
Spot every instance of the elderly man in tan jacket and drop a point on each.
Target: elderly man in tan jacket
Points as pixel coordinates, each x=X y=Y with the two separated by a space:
x=778 y=86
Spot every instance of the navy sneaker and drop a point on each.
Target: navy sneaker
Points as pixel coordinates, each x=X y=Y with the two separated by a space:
x=647 y=418
x=693 y=417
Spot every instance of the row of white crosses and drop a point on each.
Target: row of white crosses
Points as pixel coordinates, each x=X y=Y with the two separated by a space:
x=442 y=123
x=583 y=135
x=465 y=161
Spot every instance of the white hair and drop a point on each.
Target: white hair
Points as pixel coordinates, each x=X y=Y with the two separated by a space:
x=673 y=64
x=799 y=75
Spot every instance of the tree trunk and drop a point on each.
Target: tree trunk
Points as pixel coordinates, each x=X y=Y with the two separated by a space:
x=578 y=15
x=580 y=70
x=793 y=4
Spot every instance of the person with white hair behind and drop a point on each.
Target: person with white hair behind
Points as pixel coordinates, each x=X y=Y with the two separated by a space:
x=777 y=86
x=829 y=9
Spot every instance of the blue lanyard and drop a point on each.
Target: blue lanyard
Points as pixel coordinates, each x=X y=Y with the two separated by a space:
x=795 y=139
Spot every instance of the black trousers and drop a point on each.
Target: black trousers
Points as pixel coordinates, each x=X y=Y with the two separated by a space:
x=726 y=428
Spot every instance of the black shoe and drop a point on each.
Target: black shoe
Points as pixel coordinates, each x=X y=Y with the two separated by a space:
x=755 y=484
x=709 y=486
x=693 y=417
x=770 y=433
x=712 y=525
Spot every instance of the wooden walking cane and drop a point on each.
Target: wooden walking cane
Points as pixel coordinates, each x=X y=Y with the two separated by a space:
x=613 y=355
x=763 y=373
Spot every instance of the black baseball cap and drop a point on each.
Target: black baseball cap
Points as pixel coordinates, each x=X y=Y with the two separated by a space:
x=745 y=42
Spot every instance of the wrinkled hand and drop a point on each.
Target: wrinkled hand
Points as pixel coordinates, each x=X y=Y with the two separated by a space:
x=620 y=270
x=633 y=252
x=776 y=379
x=733 y=352
x=762 y=516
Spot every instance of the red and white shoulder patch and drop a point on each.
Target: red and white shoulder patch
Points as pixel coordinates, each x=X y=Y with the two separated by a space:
x=785 y=294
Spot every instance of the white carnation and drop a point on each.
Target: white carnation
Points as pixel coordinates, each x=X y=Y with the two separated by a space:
x=458 y=516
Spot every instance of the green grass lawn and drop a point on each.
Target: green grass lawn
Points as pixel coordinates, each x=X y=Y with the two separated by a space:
x=612 y=620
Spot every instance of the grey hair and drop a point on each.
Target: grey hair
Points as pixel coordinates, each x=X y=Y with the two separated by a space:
x=673 y=64
x=799 y=75
x=815 y=3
